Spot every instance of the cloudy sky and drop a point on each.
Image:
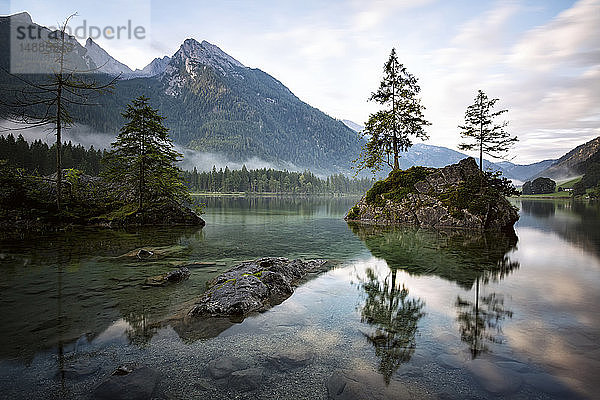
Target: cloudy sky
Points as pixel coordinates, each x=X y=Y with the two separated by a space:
x=540 y=57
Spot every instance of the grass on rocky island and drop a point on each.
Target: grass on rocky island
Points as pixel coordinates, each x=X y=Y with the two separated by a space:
x=397 y=185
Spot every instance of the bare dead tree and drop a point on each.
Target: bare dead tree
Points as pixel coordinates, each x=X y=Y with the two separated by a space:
x=48 y=99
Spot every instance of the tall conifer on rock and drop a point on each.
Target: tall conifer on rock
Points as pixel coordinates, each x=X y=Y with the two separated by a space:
x=141 y=165
x=389 y=131
x=485 y=135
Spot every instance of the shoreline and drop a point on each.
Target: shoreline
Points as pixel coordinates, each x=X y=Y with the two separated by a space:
x=273 y=194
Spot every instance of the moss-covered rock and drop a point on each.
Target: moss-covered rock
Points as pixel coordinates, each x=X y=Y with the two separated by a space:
x=252 y=286
x=458 y=195
x=28 y=202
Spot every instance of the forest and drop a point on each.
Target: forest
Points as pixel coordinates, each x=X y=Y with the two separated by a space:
x=272 y=181
x=40 y=159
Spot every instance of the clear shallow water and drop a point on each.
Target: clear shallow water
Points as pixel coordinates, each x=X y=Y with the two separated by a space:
x=447 y=314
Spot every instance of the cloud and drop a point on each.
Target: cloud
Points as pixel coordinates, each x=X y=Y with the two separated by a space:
x=571 y=39
x=204 y=161
x=85 y=136
x=548 y=77
x=369 y=15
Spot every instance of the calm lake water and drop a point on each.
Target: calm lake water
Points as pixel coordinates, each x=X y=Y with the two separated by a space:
x=449 y=315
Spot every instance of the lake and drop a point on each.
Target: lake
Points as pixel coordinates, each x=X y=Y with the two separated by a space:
x=446 y=314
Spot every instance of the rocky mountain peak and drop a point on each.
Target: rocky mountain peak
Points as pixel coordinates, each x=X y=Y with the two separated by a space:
x=207 y=54
x=105 y=62
x=22 y=18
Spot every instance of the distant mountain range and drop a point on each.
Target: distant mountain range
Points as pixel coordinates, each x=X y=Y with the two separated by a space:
x=438 y=156
x=573 y=163
x=353 y=125
x=213 y=103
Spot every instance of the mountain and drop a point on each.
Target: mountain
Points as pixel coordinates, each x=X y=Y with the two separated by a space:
x=428 y=155
x=523 y=172
x=353 y=125
x=213 y=103
x=105 y=62
x=108 y=65
x=19 y=36
x=572 y=163
x=156 y=67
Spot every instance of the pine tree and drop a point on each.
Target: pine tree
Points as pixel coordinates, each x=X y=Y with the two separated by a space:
x=389 y=130
x=142 y=162
x=486 y=136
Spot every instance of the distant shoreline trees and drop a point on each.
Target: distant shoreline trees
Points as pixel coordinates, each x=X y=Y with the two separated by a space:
x=388 y=131
x=38 y=158
x=272 y=181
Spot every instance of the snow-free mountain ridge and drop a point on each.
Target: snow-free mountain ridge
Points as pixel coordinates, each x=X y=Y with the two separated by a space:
x=213 y=103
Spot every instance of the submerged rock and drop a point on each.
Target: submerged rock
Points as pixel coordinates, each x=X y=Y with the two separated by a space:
x=246 y=380
x=154 y=253
x=225 y=366
x=175 y=276
x=290 y=359
x=137 y=384
x=252 y=286
x=143 y=254
x=365 y=384
x=456 y=196
x=235 y=373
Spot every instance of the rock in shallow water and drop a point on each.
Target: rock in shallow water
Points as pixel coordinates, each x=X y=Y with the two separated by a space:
x=138 y=384
x=178 y=275
x=246 y=379
x=225 y=366
x=364 y=384
x=290 y=359
x=253 y=286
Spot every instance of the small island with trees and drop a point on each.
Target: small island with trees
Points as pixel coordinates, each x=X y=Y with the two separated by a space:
x=461 y=195
x=139 y=185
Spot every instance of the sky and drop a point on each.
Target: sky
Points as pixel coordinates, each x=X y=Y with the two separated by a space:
x=541 y=58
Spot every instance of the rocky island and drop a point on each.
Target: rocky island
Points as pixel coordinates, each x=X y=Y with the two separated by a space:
x=456 y=196
x=28 y=203
x=253 y=286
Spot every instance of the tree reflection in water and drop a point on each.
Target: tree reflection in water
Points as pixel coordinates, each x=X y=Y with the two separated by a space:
x=395 y=318
x=481 y=322
x=466 y=258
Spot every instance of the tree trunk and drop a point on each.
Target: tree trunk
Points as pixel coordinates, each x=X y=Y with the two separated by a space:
x=481 y=157
x=58 y=145
x=395 y=138
x=395 y=144
x=141 y=182
x=480 y=135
